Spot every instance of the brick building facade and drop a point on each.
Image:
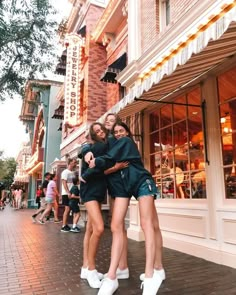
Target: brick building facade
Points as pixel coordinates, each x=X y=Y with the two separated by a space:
x=177 y=93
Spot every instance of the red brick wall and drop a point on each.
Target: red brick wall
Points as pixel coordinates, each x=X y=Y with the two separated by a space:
x=113 y=95
x=148 y=23
x=150 y=18
x=179 y=8
x=96 y=89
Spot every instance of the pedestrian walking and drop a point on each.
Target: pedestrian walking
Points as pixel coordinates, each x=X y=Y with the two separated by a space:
x=18 y=193
x=43 y=203
x=39 y=194
x=66 y=178
x=51 y=199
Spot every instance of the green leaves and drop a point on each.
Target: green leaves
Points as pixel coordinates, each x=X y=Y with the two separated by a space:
x=28 y=42
x=7 y=170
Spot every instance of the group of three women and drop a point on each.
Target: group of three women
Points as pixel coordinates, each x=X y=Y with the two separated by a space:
x=112 y=161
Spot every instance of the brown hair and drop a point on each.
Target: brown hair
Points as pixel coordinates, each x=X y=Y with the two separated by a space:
x=125 y=126
x=93 y=135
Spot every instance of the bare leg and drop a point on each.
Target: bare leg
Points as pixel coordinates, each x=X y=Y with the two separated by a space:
x=146 y=217
x=55 y=205
x=65 y=215
x=123 y=263
x=117 y=228
x=87 y=236
x=46 y=211
x=76 y=217
x=158 y=240
x=95 y=216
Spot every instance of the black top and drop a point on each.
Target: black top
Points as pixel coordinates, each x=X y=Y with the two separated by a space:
x=44 y=185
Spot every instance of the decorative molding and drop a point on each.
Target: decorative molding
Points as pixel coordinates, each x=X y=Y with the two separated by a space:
x=125 y=9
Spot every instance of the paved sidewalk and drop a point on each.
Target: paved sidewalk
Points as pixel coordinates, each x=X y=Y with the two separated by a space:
x=38 y=259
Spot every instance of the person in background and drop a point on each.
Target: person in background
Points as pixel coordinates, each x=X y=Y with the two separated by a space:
x=66 y=177
x=74 y=204
x=51 y=199
x=18 y=197
x=43 y=206
x=39 y=194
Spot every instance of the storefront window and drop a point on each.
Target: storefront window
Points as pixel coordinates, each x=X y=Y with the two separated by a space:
x=227 y=108
x=176 y=151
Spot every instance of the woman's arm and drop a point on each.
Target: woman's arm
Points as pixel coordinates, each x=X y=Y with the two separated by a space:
x=116 y=167
x=123 y=150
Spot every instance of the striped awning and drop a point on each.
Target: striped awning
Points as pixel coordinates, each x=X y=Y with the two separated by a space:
x=209 y=48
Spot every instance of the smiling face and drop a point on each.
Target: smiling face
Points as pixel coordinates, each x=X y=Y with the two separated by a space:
x=120 y=131
x=99 y=132
x=110 y=121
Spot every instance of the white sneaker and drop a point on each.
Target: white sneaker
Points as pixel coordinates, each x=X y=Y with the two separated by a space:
x=93 y=280
x=84 y=274
x=121 y=274
x=150 y=286
x=160 y=272
x=108 y=287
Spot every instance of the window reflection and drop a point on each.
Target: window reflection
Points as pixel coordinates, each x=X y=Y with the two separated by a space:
x=227 y=110
x=177 y=158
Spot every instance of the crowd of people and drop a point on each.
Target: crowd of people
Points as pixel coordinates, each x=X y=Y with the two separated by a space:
x=110 y=162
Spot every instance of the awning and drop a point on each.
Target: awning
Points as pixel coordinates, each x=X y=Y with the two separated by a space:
x=21 y=179
x=82 y=32
x=113 y=69
x=211 y=47
x=59 y=113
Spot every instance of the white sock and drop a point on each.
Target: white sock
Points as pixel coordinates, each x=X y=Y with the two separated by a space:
x=74 y=225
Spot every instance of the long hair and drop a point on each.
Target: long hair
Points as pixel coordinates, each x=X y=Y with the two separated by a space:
x=93 y=135
x=125 y=126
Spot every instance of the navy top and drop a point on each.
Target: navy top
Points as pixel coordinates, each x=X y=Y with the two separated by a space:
x=95 y=187
x=125 y=149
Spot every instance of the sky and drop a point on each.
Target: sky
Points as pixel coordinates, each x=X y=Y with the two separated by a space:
x=12 y=130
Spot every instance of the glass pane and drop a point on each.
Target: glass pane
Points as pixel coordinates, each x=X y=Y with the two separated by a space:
x=228 y=135
x=230 y=183
x=166 y=115
x=166 y=138
x=198 y=185
x=154 y=121
x=180 y=111
x=194 y=98
x=156 y=164
x=180 y=134
x=227 y=85
x=155 y=144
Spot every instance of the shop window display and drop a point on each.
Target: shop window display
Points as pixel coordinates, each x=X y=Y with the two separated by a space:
x=177 y=148
x=227 y=110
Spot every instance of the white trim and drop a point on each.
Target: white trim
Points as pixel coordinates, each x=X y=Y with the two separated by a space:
x=213 y=252
x=162 y=15
x=213 y=32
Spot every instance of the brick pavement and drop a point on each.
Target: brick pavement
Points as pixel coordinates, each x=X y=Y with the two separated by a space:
x=38 y=259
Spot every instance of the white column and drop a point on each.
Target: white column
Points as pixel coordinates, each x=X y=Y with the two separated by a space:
x=214 y=171
x=134 y=30
x=134 y=230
